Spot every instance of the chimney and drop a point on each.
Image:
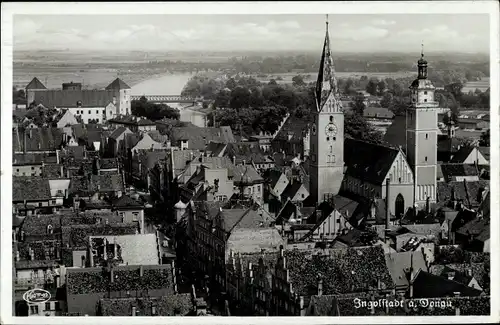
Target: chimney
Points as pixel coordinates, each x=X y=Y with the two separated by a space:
x=134 y=311
x=17 y=256
x=115 y=250
x=112 y=275
x=387 y=205
x=320 y=286
x=105 y=254
x=141 y=271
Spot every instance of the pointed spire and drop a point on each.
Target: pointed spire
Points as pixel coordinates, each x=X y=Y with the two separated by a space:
x=326 y=85
x=422 y=65
x=422 y=53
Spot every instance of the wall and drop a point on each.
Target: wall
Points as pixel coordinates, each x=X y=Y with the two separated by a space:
x=89 y=113
x=56 y=185
x=225 y=185
x=27 y=170
x=49 y=308
x=130 y=216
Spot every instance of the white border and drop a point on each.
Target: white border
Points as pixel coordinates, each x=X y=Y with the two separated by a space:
x=422 y=7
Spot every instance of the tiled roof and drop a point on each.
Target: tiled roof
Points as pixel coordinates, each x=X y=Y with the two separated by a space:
x=445 y=144
x=466 y=192
x=30 y=189
x=117 y=84
x=33 y=158
x=118 y=132
x=197 y=137
x=39 y=139
x=251 y=218
x=427 y=285
x=248 y=151
x=90 y=184
x=36 y=227
x=478 y=228
x=126 y=201
x=215 y=148
x=171 y=305
x=43 y=251
x=485 y=151
x=461 y=154
x=69 y=98
x=291 y=190
x=342 y=271
x=108 y=163
x=293 y=130
x=399 y=265
x=353 y=238
x=246 y=174
x=368 y=161
x=456 y=169
x=182 y=157
x=35 y=84
x=378 y=112
x=127 y=278
x=52 y=171
x=78 y=235
x=287 y=212
x=227 y=134
x=479 y=271
x=273 y=177
x=76 y=152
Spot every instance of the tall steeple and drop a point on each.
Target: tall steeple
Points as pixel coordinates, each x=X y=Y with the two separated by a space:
x=422 y=65
x=326 y=85
x=326 y=150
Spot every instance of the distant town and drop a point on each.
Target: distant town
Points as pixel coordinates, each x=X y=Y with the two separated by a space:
x=259 y=186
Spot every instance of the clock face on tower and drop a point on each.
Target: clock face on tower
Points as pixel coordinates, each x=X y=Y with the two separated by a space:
x=331 y=130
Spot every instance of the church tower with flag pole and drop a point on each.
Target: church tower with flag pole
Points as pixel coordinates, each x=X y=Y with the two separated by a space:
x=327 y=132
x=421 y=136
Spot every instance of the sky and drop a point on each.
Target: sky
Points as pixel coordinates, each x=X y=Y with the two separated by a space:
x=349 y=33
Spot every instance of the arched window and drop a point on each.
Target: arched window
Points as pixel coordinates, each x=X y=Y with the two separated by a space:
x=400 y=206
x=49 y=230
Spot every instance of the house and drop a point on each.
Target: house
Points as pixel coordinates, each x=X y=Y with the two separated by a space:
x=474 y=275
x=92 y=104
x=65 y=118
x=328 y=223
x=198 y=138
x=193 y=116
x=142 y=163
x=92 y=187
x=249 y=182
x=208 y=184
x=85 y=287
x=470 y=194
x=471 y=123
x=427 y=285
x=181 y=304
x=134 y=123
x=129 y=210
x=115 y=139
x=295 y=192
x=31 y=164
x=132 y=249
x=292 y=137
x=39 y=140
x=248 y=152
x=31 y=195
x=471 y=155
x=379 y=113
x=475 y=235
x=301 y=274
x=459 y=172
x=276 y=182
x=403 y=266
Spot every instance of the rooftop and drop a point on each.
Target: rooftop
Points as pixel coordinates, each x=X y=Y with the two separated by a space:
x=136 y=249
x=30 y=189
x=171 y=305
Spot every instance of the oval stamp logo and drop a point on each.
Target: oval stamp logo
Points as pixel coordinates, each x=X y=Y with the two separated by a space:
x=35 y=296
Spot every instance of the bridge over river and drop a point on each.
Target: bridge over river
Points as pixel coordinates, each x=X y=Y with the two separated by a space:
x=160 y=99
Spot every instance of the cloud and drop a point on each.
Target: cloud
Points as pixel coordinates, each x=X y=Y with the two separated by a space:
x=436 y=32
x=382 y=22
x=360 y=34
x=26 y=27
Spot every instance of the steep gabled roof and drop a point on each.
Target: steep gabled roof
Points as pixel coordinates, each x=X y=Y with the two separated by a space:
x=35 y=84
x=368 y=161
x=427 y=285
x=117 y=84
x=461 y=154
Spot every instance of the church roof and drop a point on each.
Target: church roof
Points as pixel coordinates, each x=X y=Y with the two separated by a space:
x=117 y=84
x=368 y=161
x=326 y=85
x=35 y=84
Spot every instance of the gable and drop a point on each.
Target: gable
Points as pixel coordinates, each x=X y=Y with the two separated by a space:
x=399 y=168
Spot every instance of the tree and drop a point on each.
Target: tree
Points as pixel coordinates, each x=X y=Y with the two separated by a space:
x=485 y=139
x=231 y=84
x=298 y=81
x=272 y=82
x=240 y=97
x=357 y=127
x=372 y=87
x=153 y=111
x=18 y=96
x=222 y=99
x=381 y=86
x=358 y=105
x=386 y=100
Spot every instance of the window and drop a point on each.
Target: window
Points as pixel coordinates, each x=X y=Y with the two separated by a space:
x=53 y=202
x=400 y=179
x=90 y=112
x=331 y=118
x=17 y=170
x=425 y=158
x=40 y=204
x=331 y=149
x=136 y=215
x=425 y=92
x=327 y=138
x=32 y=168
x=426 y=136
x=34 y=310
x=47 y=306
x=425 y=100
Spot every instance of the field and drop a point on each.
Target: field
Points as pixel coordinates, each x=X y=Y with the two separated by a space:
x=483 y=84
x=311 y=77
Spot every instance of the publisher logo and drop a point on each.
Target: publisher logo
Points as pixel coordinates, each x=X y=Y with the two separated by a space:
x=35 y=296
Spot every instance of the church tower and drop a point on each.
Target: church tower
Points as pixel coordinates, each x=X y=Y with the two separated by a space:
x=326 y=149
x=421 y=136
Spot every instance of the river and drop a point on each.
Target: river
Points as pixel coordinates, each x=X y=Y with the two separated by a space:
x=170 y=84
